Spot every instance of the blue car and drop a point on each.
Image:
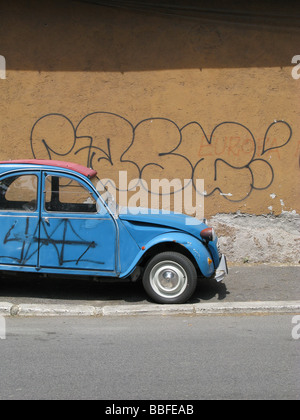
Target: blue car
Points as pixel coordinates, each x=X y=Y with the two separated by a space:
x=54 y=221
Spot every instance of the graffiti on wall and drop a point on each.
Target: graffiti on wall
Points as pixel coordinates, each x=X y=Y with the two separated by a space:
x=230 y=155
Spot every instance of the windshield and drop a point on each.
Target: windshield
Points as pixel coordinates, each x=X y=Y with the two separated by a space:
x=106 y=195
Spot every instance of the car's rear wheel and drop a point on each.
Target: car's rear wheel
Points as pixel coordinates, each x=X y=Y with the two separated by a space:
x=170 y=277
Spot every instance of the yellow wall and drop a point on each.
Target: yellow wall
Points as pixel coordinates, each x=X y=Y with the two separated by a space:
x=196 y=99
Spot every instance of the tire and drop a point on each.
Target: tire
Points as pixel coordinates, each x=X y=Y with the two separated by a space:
x=170 y=277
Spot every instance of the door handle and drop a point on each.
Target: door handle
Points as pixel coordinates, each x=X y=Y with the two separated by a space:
x=47 y=220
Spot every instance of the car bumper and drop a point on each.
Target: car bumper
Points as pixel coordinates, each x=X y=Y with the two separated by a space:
x=222 y=270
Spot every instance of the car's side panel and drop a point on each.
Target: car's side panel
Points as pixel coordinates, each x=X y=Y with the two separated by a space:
x=19 y=239
x=71 y=237
x=19 y=219
x=128 y=249
x=78 y=243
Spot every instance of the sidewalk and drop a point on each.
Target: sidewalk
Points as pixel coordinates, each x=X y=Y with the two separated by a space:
x=247 y=289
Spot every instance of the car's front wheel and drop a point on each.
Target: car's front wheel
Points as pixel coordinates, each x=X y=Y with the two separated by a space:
x=170 y=277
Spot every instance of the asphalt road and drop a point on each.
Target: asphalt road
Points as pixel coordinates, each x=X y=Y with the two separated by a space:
x=244 y=283
x=152 y=358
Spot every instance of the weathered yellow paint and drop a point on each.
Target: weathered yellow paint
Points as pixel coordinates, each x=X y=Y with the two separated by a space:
x=193 y=98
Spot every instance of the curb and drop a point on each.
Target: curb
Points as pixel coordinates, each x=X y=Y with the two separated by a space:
x=26 y=310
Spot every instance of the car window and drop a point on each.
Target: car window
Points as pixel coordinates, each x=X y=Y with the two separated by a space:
x=64 y=194
x=19 y=193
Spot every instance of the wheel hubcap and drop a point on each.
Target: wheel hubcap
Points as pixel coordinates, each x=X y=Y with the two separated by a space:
x=168 y=279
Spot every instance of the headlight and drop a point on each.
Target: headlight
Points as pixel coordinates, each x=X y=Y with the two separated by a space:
x=208 y=234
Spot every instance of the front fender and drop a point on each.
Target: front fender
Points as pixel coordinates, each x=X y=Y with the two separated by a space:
x=196 y=248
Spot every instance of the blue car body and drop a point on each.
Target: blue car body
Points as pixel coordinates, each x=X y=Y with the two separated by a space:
x=84 y=236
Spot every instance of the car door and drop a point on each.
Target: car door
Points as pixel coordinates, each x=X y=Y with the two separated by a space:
x=76 y=230
x=19 y=219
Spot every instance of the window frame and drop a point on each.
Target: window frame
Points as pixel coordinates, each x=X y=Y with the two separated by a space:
x=82 y=183
x=16 y=175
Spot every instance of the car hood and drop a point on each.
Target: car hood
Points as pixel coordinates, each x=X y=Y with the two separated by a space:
x=163 y=218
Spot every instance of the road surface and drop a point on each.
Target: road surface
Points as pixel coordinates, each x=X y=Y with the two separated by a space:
x=150 y=358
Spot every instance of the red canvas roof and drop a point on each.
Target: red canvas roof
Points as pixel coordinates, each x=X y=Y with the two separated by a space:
x=90 y=173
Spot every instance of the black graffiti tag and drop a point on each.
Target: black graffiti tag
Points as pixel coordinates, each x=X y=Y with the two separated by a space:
x=69 y=237
x=110 y=143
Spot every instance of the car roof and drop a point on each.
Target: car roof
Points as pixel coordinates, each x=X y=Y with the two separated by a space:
x=88 y=172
